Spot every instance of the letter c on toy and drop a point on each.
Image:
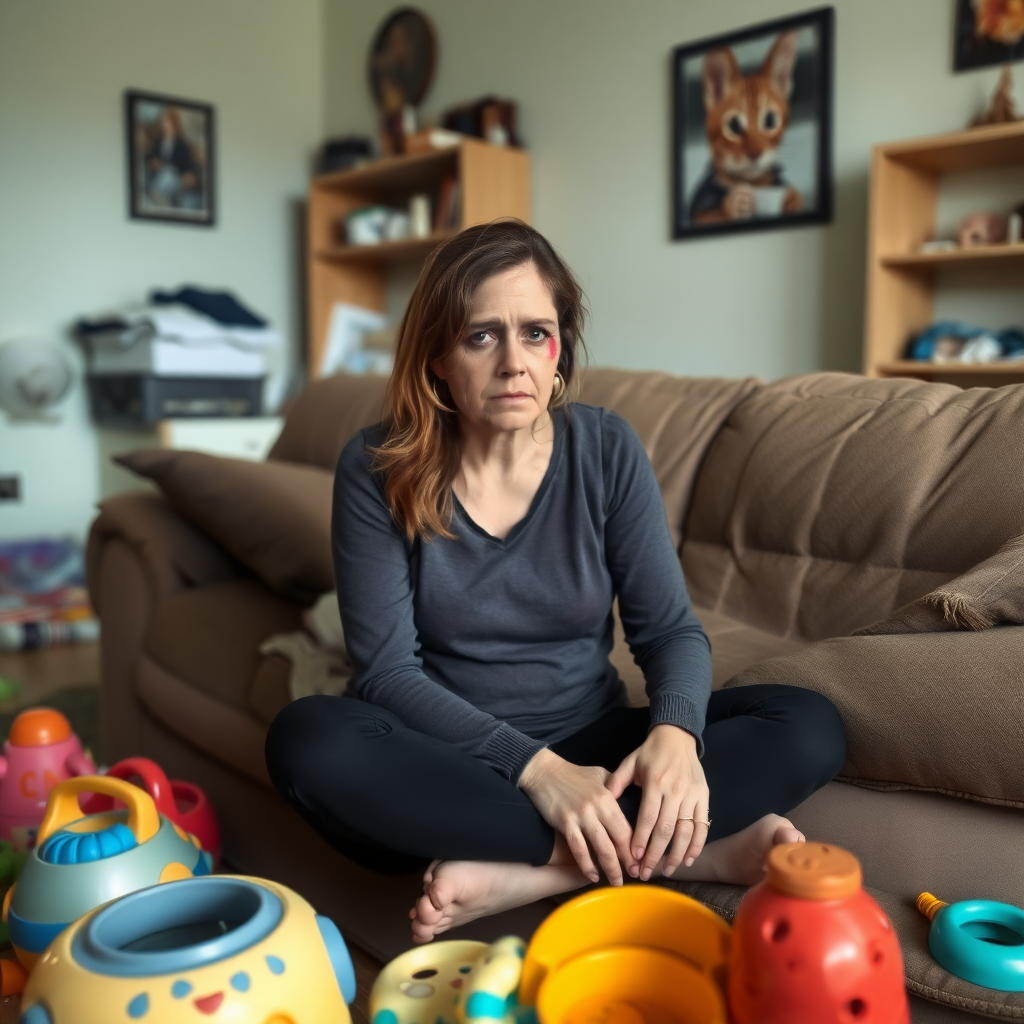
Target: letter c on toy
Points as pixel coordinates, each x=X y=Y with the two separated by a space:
x=23 y=785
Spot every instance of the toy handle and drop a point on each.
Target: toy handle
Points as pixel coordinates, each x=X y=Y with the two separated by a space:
x=154 y=782
x=62 y=807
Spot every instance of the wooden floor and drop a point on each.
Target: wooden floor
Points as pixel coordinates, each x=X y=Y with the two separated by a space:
x=40 y=673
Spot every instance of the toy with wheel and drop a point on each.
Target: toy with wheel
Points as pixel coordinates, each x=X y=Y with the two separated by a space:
x=459 y=982
x=628 y=955
x=981 y=941
x=222 y=948
x=183 y=802
x=81 y=862
x=41 y=750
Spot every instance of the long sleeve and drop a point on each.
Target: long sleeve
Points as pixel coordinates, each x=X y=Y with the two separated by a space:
x=374 y=574
x=662 y=630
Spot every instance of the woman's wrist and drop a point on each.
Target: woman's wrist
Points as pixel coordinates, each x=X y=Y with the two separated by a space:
x=676 y=731
x=536 y=768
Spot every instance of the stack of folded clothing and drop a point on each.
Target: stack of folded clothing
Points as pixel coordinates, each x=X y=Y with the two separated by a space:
x=188 y=353
x=43 y=600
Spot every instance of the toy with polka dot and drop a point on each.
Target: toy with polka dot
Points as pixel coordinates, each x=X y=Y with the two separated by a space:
x=219 y=948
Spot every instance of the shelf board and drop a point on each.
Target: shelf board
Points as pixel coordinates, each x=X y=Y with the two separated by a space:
x=920 y=368
x=393 y=172
x=971 y=149
x=384 y=252
x=928 y=261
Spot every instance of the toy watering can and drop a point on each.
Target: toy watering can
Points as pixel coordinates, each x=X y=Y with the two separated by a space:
x=223 y=948
x=81 y=862
x=810 y=946
x=41 y=750
x=981 y=941
x=182 y=802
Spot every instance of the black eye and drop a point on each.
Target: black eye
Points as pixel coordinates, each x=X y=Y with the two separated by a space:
x=465 y=970
x=427 y=973
x=735 y=124
x=771 y=120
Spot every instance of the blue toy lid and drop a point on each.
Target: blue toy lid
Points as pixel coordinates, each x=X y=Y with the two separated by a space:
x=67 y=847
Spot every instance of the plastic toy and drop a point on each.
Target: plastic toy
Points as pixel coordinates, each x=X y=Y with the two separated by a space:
x=81 y=862
x=184 y=803
x=40 y=751
x=450 y=983
x=981 y=941
x=810 y=946
x=223 y=948
x=628 y=955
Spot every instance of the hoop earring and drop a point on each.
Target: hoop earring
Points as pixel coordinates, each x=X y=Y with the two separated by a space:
x=558 y=387
x=440 y=404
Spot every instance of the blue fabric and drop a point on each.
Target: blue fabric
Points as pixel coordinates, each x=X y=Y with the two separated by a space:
x=1010 y=339
x=220 y=306
x=500 y=646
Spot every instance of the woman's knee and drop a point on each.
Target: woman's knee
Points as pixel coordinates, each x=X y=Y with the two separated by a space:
x=317 y=736
x=821 y=742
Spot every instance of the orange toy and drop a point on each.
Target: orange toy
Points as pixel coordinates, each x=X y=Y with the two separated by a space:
x=810 y=946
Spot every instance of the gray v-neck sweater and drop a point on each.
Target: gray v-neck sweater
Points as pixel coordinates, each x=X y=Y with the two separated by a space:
x=501 y=647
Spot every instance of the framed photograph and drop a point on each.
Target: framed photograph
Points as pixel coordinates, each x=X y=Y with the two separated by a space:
x=752 y=146
x=170 y=159
x=987 y=32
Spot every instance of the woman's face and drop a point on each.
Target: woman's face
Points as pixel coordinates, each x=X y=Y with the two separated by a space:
x=502 y=372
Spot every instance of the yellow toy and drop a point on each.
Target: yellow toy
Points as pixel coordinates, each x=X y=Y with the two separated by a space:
x=221 y=948
x=628 y=955
x=450 y=983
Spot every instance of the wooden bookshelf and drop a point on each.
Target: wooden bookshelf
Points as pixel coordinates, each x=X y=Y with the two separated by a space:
x=901 y=280
x=494 y=181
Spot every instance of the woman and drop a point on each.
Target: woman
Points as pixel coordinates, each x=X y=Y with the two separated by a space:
x=481 y=534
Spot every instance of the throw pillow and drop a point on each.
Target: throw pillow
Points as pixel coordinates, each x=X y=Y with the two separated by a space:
x=990 y=594
x=274 y=517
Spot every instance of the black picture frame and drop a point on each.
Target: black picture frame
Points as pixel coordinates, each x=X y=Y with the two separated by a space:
x=973 y=47
x=708 y=200
x=170 y=144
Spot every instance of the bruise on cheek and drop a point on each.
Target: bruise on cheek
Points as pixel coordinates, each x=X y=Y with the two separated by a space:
x=552 y=347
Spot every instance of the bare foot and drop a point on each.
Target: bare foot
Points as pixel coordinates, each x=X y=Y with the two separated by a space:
x=459 y=891
x=739 y=858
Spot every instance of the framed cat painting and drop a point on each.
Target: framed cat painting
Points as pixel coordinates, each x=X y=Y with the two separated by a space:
x=753 y=128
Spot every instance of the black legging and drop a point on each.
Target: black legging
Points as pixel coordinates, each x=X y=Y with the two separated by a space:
x=392 y=799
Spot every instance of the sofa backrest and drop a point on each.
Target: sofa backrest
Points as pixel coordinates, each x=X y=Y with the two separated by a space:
x=676 y=418
x=828 y=500
x=326 y=416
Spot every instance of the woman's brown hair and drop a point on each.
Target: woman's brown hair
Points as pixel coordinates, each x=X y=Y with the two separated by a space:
x=420 y=456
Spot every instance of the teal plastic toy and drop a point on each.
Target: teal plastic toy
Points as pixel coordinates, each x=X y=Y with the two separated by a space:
x=981 y=941
x=81 y=861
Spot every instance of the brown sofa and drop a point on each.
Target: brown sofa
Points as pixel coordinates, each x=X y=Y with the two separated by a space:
x=806 y=510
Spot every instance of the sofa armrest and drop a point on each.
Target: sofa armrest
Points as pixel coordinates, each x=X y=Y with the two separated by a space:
x=173 y=553
x=931 y=711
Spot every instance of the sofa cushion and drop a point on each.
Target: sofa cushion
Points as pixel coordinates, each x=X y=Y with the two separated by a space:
x=676 y=418
x=992 y=593
x=274 y=517
x=209 y=637
x=829 y=500
x=929 y=711
x=734 y=646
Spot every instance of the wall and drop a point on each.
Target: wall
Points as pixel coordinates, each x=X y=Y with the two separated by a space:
x=593 y=85
x=67 y=247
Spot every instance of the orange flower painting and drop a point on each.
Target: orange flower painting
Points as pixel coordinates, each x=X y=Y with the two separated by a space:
x=1001 y=20
x=988 y=32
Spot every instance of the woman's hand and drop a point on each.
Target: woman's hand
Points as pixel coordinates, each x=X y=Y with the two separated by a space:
x=575 y=800
x=666 y=768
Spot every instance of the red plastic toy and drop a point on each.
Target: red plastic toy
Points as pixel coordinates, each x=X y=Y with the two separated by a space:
x=182 y=802
x=41 y=750
x=810 y=946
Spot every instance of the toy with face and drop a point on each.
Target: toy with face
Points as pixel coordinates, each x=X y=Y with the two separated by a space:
x=450 y=983
x=221 y=948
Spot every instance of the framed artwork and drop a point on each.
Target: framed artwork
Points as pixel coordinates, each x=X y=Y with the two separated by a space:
x=170 y=146
x=987 y=32
x=752 y=146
